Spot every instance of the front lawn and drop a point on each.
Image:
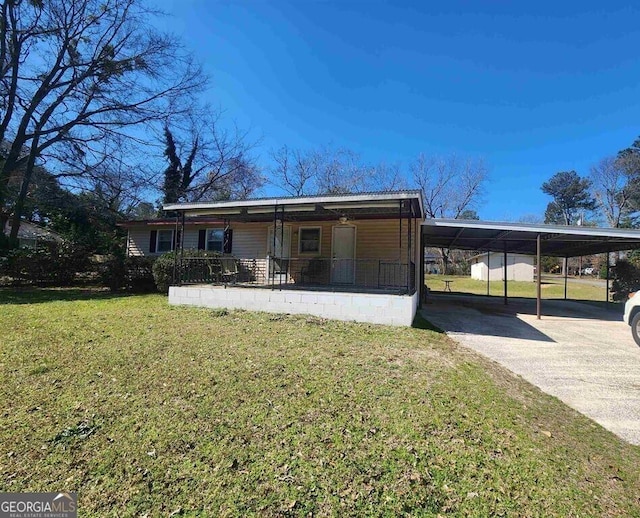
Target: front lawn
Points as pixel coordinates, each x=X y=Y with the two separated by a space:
x=146 y=409
x=552 y=287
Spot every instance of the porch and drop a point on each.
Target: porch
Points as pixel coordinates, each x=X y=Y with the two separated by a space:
x=345 y=257
x=312 y=274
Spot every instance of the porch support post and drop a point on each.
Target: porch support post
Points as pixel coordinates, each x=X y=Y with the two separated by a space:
x=271 y=265
x=608 y=267
x=566 y=273
x=538 y=277
x=421 y=270
x=504 y=273
x=175 y=252
x=282 y=246
x=400 y=225
x=488 y=271
x=409 y=247
x=182 y=247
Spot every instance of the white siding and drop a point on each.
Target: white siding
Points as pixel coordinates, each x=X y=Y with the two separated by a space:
x=382 y=239
x=138 y=241
x=249 y=240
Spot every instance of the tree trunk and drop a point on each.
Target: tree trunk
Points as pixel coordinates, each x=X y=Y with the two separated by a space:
x=18 y=207
x=445 y=261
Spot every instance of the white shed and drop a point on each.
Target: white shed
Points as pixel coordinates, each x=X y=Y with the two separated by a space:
x=519 y=267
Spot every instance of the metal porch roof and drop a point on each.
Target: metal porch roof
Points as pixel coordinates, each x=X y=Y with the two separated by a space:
x=307 y=208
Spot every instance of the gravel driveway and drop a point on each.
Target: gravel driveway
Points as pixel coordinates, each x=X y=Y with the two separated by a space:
x=582 y=354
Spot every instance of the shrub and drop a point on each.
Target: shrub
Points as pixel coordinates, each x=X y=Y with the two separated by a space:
x=626 y=280
x=163 y=271
x=163 y=267
x=130 y=273
x=51 y=263
x=139 y=274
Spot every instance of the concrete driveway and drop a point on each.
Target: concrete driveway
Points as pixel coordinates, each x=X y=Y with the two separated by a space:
x=582 y=354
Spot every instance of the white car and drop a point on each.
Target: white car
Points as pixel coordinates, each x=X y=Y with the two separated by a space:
x=632 y=315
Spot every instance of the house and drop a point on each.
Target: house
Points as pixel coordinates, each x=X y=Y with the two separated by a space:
x=432 y=263
x=30 y=234
x=348 y=257
x=519 y=267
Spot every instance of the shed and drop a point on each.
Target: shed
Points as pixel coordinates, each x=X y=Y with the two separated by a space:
x=519 y=267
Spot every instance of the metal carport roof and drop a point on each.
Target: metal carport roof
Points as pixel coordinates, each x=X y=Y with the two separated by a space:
x=558 y=241
x=522 y=238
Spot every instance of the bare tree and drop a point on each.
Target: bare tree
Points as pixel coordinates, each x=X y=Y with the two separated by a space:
x=451 y=188
x=293 y=171
x=450 y=185
x=386 y=177
x=329 y=170
x=76 y=73
x=610 y=186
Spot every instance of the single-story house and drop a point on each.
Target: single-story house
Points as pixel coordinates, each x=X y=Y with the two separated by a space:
x=349 y=257
x=30 y=234
x=519 y=267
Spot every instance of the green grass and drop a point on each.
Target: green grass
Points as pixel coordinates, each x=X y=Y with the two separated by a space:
x=552 y=287
x=146 y=409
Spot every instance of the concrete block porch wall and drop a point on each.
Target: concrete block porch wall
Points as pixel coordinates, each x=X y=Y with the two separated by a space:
x=374 y=308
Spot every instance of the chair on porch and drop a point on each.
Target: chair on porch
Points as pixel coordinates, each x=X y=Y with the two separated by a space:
x=229 y=271
x=313 y=272
x=215 y=270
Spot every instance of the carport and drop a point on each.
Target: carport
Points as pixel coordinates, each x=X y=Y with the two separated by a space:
x=548 y=240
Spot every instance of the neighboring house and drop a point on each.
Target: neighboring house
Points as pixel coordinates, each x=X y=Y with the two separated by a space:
x=350 y=257
x=432 y=263
x=519 y=267
x=30 y=234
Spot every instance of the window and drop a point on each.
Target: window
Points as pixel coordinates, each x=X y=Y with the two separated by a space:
x=310 y=240
x=215 y=240
x=165 y=241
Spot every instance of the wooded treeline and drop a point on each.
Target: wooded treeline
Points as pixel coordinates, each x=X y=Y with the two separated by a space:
x=102 y=119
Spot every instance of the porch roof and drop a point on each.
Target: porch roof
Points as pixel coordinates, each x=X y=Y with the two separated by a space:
x=373 y=205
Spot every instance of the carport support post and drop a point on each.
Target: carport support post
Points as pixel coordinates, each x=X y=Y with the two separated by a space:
x=421 y=271
x=538 y=277
x=566 y=273
x=488 y=271
x=606 y=296
x=504 y=274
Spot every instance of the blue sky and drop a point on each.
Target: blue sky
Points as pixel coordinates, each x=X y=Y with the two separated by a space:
x=532 y=88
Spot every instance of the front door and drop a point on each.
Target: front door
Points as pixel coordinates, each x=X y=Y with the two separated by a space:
x=343 y=255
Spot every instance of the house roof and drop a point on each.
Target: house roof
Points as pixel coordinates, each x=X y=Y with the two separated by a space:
x=484 y=254
x=556 y=240
x=378 y=205
x=30 y=230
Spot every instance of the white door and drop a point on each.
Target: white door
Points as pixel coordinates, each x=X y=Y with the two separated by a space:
x=343 y=255
x=280 y=253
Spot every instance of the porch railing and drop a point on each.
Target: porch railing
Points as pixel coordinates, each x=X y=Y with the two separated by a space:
x=299 y=273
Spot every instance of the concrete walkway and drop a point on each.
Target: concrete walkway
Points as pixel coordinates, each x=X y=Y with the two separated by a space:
x=582 y=354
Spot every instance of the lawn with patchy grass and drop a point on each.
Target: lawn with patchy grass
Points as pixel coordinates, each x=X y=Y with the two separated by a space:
x=552 y=287
x=149 y=409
